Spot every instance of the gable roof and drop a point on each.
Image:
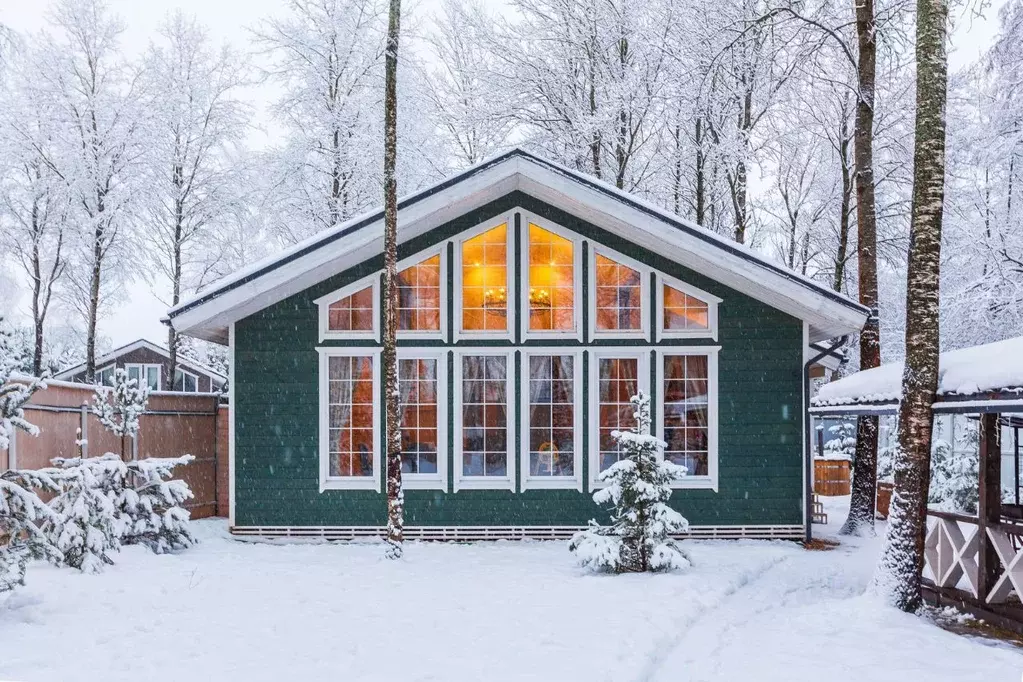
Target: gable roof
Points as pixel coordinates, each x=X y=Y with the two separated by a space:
x=111 y=356
x=209 y=314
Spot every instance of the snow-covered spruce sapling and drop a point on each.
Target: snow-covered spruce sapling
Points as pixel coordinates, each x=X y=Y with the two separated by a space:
x=21 y=513
x=151 y=512
x=639 y=486
x=13 y=394
x=85 y=526
x=119 y=407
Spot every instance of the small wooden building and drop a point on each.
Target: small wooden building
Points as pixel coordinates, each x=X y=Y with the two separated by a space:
x=534 y=301
x=972 y=562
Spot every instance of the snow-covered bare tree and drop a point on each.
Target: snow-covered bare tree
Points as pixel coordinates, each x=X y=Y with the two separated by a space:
x=119 y=407
x=190 y=196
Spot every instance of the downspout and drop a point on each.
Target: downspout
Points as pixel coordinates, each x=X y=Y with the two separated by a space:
x=808 y=432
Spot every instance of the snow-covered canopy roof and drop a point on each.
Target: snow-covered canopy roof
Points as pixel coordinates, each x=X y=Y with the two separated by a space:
x=990 y=372
x=210 y=314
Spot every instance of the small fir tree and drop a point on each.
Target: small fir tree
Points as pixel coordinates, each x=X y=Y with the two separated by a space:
x=151 y=512
x=13 y=393
x=86 y=528
x=119 y=407
x=639 y=486
x=21 y=512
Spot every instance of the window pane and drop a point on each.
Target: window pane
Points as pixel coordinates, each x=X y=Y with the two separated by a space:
x=153 y=378
x=419 y=296
x=551 y=281
x=417 y=384
x=485 y=281
x=484 y=416
x=619 y=296
x=351 y=427
x=684 y=312
x=352 y=313
x=551 y=415
x=618 y=382
x=686 y=410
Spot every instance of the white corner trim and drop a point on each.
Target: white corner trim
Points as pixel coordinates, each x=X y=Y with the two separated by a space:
x=323 y=303
x=642 y=355
x=463 y=482
x=577 y=280
x=507 y=219
x=644 y=291
x=711 y=300
x=553 y=482
x=711 y=479
x=439 y=480
x=231 y=410
x=328 y=482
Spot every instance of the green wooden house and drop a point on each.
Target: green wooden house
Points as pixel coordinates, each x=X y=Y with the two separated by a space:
x=534 y=301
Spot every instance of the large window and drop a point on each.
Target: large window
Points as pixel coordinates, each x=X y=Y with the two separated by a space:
x=422 y=394
x=687 y=414
x=686 y=311
x=619 y=307
x=484 y=443
x=617 y=376
x=351 y=312
x=146 y=376
x=550 y=404
x=185 y=381
x=350 y=414
x=485 y=286
x=419 y=297
x=552 y=283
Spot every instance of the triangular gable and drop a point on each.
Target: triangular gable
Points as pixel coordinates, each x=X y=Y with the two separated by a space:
x=251 y=289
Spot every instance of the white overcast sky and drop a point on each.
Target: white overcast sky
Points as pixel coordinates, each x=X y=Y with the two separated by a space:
x=228 y=20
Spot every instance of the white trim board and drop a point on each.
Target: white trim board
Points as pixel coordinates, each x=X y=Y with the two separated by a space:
x=694 y=247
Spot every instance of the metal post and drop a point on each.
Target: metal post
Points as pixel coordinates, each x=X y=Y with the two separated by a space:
x=85 y=430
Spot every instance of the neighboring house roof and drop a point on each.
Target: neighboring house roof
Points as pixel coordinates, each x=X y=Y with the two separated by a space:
x=210 y=313
x=832 y=361
x=111 y=356
x=992 y=371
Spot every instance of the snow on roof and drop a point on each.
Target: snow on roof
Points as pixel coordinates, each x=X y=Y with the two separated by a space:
x=990 y=367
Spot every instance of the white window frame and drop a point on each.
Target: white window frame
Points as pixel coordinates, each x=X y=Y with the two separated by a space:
x=552 y=482
x=191 y=374
x=711 y=300
x=644 y=291
x=439 y=480
x=324 y=302
x=642 y=354
x=475 y=335
x=461 y=481
x=577 y=280
x=144 y=370
x=328 y=482
x=710 y=481
x=437 y=250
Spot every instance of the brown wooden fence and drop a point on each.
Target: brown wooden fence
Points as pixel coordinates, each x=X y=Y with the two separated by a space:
x=174 y=424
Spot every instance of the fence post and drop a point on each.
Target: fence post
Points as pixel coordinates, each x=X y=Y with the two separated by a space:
x=12 y=449
x=989 y=507
x=85 y=430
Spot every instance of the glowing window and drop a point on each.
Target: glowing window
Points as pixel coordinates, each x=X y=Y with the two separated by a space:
x=618 y=381
x=619 y=295
x=417 y=383
x=419 y=296
x=683 y=312
x=485 y=281
x=551 y=281
x=352 y=313
x=686 y=412
x=551 y=416
x=350 y=385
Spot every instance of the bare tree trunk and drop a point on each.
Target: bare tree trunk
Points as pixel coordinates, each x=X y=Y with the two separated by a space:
x=845 y=216
x=864 y=486
x=94 y=285
x=701 y=162
x=395 y=494
x=902 y=562
x=179 y=223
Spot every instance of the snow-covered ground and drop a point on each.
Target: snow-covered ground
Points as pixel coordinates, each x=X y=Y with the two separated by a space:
x=498 y=611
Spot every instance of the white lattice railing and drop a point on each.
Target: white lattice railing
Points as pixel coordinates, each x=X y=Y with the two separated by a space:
x=952 y=553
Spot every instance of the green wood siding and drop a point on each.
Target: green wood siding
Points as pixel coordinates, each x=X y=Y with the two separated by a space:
x=277 y=405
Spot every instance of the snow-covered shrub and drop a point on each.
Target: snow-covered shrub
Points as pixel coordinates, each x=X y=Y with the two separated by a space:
x=85 y=526
x=21 y=512
x=842 y=445
x=13 y=394
x=119 y=407
x=639 y=486
x=151 y=511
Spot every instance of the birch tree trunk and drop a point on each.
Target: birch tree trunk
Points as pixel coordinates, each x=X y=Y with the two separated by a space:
x=864 y=485
x=395 y=494
x=898 y=576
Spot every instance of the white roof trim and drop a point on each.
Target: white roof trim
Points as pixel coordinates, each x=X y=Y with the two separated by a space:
x=110 y=356
x=253 y=288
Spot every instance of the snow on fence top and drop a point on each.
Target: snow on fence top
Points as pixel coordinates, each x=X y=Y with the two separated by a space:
x=992 y=367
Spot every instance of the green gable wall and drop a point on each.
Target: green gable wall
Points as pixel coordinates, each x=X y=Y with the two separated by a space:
x=276 y=407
